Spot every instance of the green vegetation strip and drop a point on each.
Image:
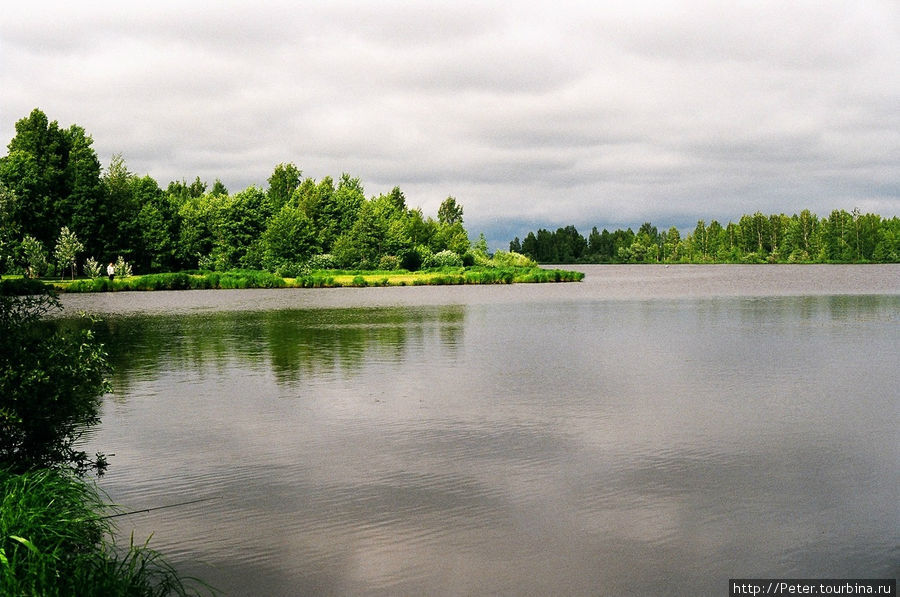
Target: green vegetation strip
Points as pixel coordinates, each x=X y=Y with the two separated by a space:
x=317 y=279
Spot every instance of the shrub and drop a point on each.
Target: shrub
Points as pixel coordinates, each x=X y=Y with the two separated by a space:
x=512 y=259
x=123 y=268
x=323 y=261
x=35 y=257
x=206 y=262
x=92 y=285
x=292 y=269
x=411 y=260
x=92 y=268
x=444 y=258
x=389 y=263
x=51 y=383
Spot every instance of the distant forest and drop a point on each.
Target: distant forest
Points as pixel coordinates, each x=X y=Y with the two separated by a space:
x=59 y=209
x=842 y=237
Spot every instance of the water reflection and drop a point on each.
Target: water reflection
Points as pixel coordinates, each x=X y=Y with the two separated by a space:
x=296 y=345
x=577 y=447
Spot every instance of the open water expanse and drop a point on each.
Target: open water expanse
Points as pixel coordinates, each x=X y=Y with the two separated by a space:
x=648 y=431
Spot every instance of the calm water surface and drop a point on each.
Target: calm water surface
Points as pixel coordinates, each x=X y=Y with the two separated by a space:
x=649 y=431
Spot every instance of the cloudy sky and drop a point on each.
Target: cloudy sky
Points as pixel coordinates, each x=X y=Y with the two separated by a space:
x=536 y=114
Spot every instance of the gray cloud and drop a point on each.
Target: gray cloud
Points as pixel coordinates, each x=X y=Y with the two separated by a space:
x=552 y=113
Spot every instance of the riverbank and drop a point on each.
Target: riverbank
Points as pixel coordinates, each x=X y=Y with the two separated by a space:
x=67 y=549
x=206 y=280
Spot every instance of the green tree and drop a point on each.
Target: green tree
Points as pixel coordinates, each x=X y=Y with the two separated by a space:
x=55 y=175
x=9 y=227
x=35 y=170
x=119 y=226
x=420 y=230
x=450 y=212
x=380 y=229
x=285 y=179
x=35 y=257
x=84 y=192
x=198 y=219
x=700 y=241
x=289 y=239
x=241 y=220
x=481 y=245
x=197 y=188
x=715 y=238
x=219 y=189
x=67 y=249
x=672 y=245
x=343 y=209
x=159 y=226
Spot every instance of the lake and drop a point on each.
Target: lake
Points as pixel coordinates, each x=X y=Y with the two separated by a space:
x=651 y=430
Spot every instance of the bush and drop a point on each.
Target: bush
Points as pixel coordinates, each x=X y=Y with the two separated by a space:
x=389 y=263
x=292 y=269
x=444 y=258
x=512 y=259
x=51 y=383
x=175 y=281
x=94 y=285
x=323 y=261
x=92 y=268
x=35 y=257
x=207 y=262
x=411 y=260
x=123 y=268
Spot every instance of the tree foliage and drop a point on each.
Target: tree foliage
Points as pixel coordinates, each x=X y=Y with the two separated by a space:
x=67 y=249
x=842 y=237
x=51 y=382
x=51 y=179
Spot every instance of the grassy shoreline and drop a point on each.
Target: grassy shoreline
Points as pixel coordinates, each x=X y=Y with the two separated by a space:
x=67 y=548
x=198 y=280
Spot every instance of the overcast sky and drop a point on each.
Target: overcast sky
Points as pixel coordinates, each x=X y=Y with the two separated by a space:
x=536 y=114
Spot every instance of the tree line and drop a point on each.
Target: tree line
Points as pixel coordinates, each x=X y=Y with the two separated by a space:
x=57 y=201
x=841 y=237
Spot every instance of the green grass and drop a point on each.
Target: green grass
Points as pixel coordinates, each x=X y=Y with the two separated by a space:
x=54 y=541
x=322 y=279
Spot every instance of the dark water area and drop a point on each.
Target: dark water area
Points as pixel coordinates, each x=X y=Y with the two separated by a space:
x=649 y=431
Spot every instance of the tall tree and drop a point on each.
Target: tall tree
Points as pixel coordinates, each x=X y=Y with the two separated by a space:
x=35 y=170
x=84 y=200
x=67 y=249
x=282 y=183
x=450 y=212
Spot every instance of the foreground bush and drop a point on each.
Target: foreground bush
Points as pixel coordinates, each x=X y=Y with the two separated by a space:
x=54 y=542
x=51 y=383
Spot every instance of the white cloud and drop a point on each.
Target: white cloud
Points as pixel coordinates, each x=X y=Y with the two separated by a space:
x=553 y=113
